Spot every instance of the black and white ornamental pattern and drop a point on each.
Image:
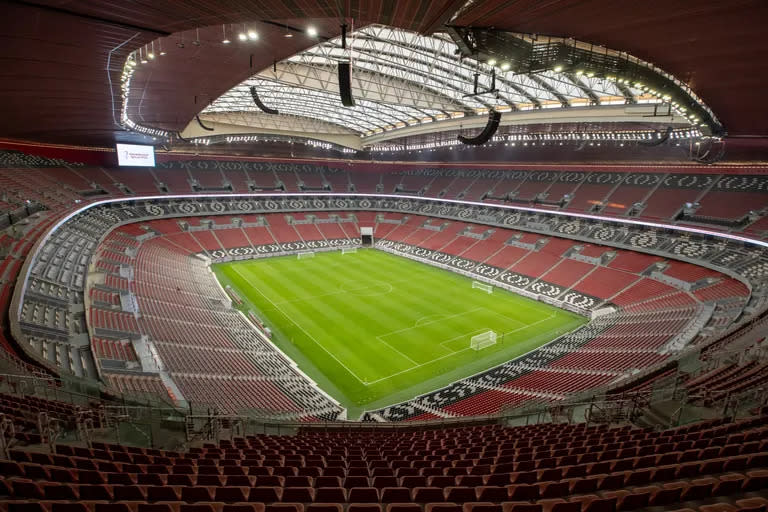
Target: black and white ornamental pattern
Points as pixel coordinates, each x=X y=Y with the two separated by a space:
x=647 y=239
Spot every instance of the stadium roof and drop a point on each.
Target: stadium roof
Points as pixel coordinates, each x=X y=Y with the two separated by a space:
x=63 y=60
x=401 y=79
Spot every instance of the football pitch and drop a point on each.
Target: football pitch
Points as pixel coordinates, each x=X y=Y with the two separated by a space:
x=373 y=329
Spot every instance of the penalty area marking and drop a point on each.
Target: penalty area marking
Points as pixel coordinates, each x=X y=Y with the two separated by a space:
x=429 y=319
x=416 y=365
x=454 y=352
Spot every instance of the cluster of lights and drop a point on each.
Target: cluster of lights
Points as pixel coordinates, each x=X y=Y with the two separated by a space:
x=661 y=96
x=231 y=139
x=504 y=66
x=533 y=139
x=319 y=144
x=146 y=130
x=247 y=34
x=129 y=68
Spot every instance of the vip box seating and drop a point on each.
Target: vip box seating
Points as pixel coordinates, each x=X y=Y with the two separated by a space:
x=490 y=468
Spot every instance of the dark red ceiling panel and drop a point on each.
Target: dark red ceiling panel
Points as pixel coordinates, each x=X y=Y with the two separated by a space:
x=60 y=61
x=170 y=90
x=178 y=15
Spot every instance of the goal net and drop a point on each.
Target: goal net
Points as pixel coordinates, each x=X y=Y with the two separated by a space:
x=348 y=250
x=487 y=288
x=305 y=254
x=483 y=340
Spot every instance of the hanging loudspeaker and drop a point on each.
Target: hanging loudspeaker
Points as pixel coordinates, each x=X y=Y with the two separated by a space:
x=494 y=118
x=259 y=104
x=658 y=141
x=345 y=84
x=206 y=128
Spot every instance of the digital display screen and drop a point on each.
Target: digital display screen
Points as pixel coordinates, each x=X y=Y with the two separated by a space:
x=133 y=155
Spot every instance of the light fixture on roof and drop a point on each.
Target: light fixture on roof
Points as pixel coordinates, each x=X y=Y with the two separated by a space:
x=558 y=69
x=505 y=66
x=160 y=47
x=224 y=32
x=253 y=35
x=311 y=31
x=196 y=42
x=491 y=62
x=151 y=53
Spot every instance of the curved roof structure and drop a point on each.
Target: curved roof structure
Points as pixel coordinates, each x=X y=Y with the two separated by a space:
x=401 y=78
x=64 y=60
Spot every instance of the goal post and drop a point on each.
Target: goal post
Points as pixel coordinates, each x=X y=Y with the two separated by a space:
x=487 y=288
x=348 y=250
x=305 y=254
x=482 y=340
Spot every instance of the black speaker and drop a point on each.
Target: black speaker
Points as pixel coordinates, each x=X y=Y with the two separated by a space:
x=206 y=128
x=345 y=84
x=494 y=118
x=259 y=104
x=659 y=141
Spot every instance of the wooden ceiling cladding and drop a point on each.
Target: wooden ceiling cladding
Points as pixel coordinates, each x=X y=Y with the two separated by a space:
x=717 y=47
x=187 y=79
x=177 y=15
x=61 y=60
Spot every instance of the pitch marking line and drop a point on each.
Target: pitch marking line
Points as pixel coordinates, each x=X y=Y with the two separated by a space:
x=414 y=367
x=435 y=317
x=300 y=327
x=340 y=291
x=526 y=326
x=393 y=348
x=431 y=321
x=369 y=383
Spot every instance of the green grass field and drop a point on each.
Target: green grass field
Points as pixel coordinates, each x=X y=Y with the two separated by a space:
x=373 y=329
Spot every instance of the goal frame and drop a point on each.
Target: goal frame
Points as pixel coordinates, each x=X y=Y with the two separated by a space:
x=305 y=254
x=487 y=288
x=483 y=340
x=348 y=250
